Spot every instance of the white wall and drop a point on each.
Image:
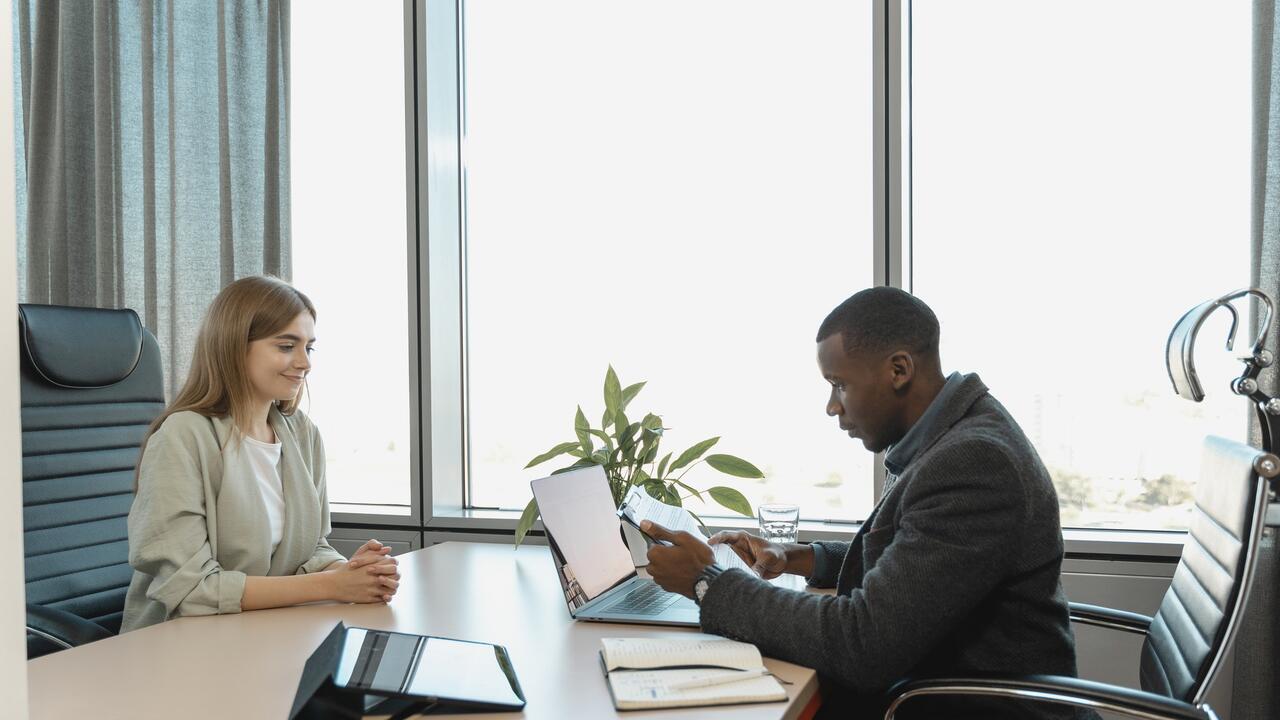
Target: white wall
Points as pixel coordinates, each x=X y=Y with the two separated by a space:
x=13 y=644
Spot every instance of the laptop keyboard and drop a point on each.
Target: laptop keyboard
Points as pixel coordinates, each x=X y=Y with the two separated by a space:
x=647 y=599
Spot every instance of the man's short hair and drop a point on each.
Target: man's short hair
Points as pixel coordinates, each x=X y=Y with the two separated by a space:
x=882 y=320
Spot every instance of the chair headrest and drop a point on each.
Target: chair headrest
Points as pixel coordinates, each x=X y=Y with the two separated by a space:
x=1180 y=348
x=78 y=347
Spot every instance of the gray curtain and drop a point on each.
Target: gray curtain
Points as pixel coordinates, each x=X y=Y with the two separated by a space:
x=1254 y=693
x=152 y=155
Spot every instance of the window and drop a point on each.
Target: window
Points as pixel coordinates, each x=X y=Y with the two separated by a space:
x=347 y=125
x=1086 y=167
x=682 y=191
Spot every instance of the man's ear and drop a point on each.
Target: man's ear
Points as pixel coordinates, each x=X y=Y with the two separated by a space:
x=902 y=368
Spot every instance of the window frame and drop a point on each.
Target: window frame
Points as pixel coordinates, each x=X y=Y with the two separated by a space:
x=438 y=147
x=436 y=230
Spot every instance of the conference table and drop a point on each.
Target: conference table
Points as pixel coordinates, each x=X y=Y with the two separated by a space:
x=248 y=665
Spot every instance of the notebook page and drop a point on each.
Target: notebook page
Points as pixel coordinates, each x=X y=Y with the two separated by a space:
x=642 y=506
x=728 y=559
x=644 y=653
x=645 y=507
x=652 y=689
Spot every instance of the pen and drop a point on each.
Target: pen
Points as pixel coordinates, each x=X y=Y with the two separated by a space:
x=720 y=679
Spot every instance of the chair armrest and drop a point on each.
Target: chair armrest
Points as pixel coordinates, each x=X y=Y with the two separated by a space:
x=1056 y=689
x=62 y=628
x=1109 y=618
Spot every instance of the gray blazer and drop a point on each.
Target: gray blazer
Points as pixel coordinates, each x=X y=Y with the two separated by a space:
x=955 y=572
x=197 y=528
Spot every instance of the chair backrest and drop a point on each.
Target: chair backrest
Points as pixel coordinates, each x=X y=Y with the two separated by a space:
x=1197 y=620
x=91 y=384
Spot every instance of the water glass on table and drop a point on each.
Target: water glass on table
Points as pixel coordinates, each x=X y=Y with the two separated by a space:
x=779 y=523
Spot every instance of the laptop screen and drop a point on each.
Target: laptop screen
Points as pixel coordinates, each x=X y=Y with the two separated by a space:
x=583 y=528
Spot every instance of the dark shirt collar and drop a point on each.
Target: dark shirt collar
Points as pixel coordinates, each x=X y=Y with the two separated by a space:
x=932 y=423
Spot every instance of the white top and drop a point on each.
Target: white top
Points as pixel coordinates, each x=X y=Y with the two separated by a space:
x=263 y=459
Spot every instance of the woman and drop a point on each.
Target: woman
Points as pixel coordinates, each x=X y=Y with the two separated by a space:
x=231 y=511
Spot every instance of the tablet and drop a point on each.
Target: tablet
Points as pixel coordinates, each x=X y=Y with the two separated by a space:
x=457 y=673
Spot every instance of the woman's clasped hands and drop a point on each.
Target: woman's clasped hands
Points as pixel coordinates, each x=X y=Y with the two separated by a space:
x=371 y=575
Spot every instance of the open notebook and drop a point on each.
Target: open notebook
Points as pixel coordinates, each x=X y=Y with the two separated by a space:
x=643 y=672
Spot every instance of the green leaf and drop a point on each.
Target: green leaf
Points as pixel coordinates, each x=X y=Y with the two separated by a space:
x=656 y=489
x=627 y=436
x=731 y=499
x=584 y=462
x=693 y=453
x=735 y=466
x=581 y=426
x=692 y=490
x=612 y=392
x=527 y=517
x=606 y=419
x=640 y=477
x=608 y=441
x=629 y=394
x=577 y=451
x=649 y=455
x=662 y=466
x=600 y=457
x=560 y=449
x=672 y=497
x=649 y=439
x=620 y=423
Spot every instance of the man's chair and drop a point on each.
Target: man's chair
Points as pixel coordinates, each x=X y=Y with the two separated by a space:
x=91 y=384
x=1190 y=635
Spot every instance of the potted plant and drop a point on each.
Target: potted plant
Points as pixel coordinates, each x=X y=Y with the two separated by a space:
x=629 y=453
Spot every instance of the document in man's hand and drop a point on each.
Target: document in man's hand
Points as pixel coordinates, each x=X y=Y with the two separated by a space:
x=645 y=673
x=639 y=505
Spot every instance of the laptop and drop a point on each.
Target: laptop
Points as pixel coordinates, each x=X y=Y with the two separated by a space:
x=597 y=575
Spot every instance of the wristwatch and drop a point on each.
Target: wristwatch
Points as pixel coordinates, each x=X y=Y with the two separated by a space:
x=702 y=583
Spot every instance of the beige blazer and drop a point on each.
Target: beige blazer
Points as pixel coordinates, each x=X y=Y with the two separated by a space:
x=197 y=528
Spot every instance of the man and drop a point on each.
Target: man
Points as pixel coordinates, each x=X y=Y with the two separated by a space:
x=954 y=573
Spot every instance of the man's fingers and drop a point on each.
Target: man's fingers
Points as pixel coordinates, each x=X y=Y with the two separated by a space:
x=656 y=531
x=658 y=553
x=684 y=538
x=743 y=551
x=761 y=568
x=735 y=538
x=726 y=536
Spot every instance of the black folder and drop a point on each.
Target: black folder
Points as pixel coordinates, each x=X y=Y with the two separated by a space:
x=355 y=669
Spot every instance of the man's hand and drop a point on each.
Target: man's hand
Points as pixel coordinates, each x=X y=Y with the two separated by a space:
x=768 y=559
x=675 y=567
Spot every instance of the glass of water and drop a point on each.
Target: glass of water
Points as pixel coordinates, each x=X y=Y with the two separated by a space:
x=778 y=523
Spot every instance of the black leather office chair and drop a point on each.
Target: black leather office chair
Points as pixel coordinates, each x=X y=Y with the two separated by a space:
x=1192 y=631
x=91 y=384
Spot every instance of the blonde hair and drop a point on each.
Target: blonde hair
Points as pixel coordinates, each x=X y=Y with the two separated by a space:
x=218 y=384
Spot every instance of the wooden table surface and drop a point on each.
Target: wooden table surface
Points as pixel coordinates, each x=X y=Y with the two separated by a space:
x=248 y=665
